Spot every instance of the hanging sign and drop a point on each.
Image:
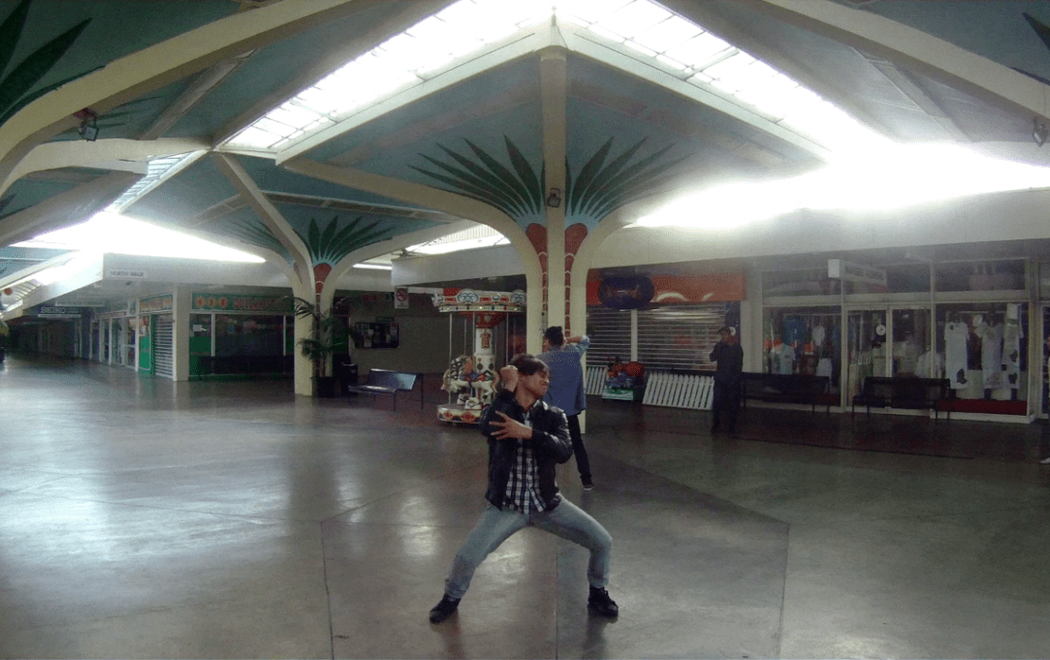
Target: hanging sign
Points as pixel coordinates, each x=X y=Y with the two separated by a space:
x=53 y=312
x=127 y=274
x=470 y=300
x=840 y=269
x=401 y=297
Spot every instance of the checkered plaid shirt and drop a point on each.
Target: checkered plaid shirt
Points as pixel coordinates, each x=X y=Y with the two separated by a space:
x=523 y=486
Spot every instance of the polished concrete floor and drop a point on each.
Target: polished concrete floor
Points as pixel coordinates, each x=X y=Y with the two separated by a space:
x=141 y=518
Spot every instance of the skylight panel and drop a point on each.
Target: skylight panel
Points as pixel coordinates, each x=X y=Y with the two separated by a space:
x=648 y=52
x=674 y=64
x=633 y=18
x=608 y=34
x=587 y=12
x=682 y=48
x=699 y=50
x=667 y=34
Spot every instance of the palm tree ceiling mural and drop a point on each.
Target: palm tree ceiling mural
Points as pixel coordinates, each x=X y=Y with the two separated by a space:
x=16 y=87
x=599 y=189
x=327 y=246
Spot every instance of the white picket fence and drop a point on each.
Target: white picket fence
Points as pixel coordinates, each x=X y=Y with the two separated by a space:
x=664 y=388
x=595 y=380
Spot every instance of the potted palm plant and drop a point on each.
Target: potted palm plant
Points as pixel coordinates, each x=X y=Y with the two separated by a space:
x=323 y=342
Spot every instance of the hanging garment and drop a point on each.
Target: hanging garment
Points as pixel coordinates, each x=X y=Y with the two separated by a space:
x=818 y=334
x=956 y=334
x=785 y=358
x=991 y=354
x=1012 y=335
x=824 y=367
x=930 y=365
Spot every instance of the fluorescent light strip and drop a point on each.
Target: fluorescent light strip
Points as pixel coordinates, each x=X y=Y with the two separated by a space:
x=116 y=234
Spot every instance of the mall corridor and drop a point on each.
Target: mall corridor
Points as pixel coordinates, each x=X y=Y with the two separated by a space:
x=141 y=518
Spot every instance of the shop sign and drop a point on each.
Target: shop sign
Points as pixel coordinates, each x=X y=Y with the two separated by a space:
x=117 y=310
x=54 y=312
x=840 y=269
x=80 y=303
x=225 y=302
x=162 y=303
x=471 y=300
x=627 y=291
x=127 y=274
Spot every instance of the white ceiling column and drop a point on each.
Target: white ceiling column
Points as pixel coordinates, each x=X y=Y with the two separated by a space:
x=553 y=93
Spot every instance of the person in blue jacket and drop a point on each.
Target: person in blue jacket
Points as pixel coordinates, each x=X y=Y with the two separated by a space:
x=564 y=356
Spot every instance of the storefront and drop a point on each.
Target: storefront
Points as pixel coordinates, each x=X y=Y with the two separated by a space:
x=233 y=334
x=113 y=334
x=967 y=322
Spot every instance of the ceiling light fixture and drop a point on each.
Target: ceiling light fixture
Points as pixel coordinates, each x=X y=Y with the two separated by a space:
x=1039 y=131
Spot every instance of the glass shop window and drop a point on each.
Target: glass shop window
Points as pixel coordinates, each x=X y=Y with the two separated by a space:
x=911 y=348
x=807 y=282
x=984 y=350
x=200 y=334
x=249 y=335
x=803 y=340
x=981 y=276
x=908 y=278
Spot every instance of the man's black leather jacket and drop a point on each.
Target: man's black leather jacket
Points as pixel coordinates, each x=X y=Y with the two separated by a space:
x=550 y=444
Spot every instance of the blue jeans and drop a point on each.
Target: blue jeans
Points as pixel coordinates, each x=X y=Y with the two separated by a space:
x=494 y=527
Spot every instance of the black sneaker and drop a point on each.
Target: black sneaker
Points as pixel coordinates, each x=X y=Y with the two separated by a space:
x=444 y=609
x=600 y=603
x=588 y=484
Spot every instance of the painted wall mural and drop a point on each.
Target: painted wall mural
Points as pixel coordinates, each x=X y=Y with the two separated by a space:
x=601 y=186
x=16 y=88
x=327 y=245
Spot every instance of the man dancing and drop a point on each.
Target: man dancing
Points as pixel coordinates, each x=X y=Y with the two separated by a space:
x=527 y=439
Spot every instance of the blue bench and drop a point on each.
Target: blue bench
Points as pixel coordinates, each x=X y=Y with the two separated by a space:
x=385 y=381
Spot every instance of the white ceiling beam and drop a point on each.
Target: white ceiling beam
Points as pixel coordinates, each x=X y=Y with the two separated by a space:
x=119 y=154
x=130 y=77
x=65 y=209
x=870 y=33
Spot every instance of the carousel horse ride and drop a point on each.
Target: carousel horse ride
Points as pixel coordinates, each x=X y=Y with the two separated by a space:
x=472 y=379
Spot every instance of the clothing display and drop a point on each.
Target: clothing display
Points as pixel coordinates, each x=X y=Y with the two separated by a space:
x=956 y=334
x=1012 y=335
x=783 y=359
x=991 y=354
x=930 y=365
x=824 y=367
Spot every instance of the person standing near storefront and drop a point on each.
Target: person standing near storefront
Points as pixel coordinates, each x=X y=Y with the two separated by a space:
x=1044 y=436
x=730 y=358
x=564 y=356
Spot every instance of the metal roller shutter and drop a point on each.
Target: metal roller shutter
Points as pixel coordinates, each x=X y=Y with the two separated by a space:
x=610 y=333
x=669 y=336
x=164 y=347
x=679 y=336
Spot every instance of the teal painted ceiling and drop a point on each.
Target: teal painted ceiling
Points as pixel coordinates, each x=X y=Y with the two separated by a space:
x=488 y=127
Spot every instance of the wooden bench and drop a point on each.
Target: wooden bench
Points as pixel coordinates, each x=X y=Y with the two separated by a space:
x=384 y=381
x=905 y=392
x=787 y=388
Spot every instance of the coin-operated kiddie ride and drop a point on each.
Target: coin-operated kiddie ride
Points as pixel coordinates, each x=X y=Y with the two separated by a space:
x=472 y=379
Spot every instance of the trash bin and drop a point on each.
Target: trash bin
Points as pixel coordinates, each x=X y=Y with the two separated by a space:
x=345 y=371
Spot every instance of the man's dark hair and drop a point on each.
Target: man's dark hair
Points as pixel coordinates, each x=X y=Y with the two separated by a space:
x=528 y=365
x=725 y=329
x=555 y=335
